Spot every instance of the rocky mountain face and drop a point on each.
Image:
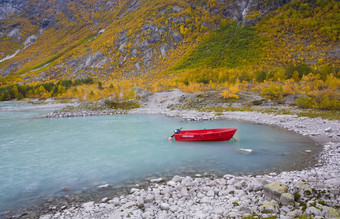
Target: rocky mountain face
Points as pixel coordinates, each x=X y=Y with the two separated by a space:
x=54 y=39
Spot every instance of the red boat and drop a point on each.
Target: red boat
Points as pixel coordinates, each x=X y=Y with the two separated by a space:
x=222 y=134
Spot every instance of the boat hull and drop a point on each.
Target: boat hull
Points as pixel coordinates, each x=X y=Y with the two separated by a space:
x=223 y=134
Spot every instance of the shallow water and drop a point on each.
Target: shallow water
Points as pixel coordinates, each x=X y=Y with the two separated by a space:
x=40 y=157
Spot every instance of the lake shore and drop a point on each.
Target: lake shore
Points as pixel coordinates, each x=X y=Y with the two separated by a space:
x=313 y=192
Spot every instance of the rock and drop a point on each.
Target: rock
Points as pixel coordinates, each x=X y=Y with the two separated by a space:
x=144 y=45
x=275 y=190
x=90 y=61
x=165 y=206
x=133 y=6
x=147 y=28
x=329 y=129
x=171 y=183
x=158 y=180
x=114 y=201
x=163 y=49
x=11 y=68
x=66 y=188
x=313 y=211
x=177 y=37
x=256 y=184
x=333 y=182
x=184 y=192
x=187 y=181
x=173 y=208
x=155 y=38
x=140 y=202
x=149 y=198
x=104 y=200
x=101 y=32
x=210 y=193
x=30 y=40
x=287 y=199
x=303 y=188
x=105 y=186
x=176 y=8
x=330 y=212
x=233 y=214
x=122 y=46
x=14 y=33
x=133 y=190
x=268 y=208
x=246 y=210
x=294 y=214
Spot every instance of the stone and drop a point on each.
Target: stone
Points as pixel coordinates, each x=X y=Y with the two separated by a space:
x=14 y=33
x=268 y=208
x=330 y=212
x=163 y=49
x=158 y=180
x=333 y=181
x=313 y=211
x=171 y=183
x=140 y=202
x=105 y=186
x=30 y=40
x=303 y=188
x=104 y=200
x=329 y=129
x=133 y=190
x=144 y=46
x=165 y=206
x=149 y=198
x=257 y=184
x=90 y=61
x=101 y=32
x=233 y=214
x=177 y=8
x=177 y=37
x=210 y=193
x=187 y=181
x=275 y=190
x=287 y=199
x=155 y=38
x=173 y=208
x=246 y=210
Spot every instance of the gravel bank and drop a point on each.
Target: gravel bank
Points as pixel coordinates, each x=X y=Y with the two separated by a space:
x=313 y=192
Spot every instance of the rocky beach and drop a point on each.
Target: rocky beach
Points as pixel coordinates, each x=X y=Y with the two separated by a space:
x=313 y=192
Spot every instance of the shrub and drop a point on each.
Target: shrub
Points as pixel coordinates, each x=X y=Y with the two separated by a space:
x=272 y=91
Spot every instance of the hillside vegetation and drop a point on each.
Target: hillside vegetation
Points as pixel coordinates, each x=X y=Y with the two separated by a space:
x=272 y=47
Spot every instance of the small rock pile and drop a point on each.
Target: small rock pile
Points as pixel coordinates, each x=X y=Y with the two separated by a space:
x=63 y=114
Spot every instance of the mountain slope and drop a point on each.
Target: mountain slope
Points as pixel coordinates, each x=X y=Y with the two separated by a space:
x=201 y=41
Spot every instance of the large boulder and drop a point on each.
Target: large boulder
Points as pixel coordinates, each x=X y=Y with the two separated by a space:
x=303 y=188
x=287 y=199
x=275 y=190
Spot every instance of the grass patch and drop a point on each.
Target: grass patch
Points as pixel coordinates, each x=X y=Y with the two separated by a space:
x=230 y=46
x=126 y=105
x=54 y=58
x=325 y=114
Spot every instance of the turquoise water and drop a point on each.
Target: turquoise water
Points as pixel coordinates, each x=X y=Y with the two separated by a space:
x=39 y=157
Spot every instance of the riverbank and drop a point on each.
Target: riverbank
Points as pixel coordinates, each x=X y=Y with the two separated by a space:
x=313 y=192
